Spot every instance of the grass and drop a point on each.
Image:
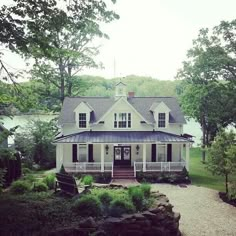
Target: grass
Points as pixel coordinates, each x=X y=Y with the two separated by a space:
x=200 y=176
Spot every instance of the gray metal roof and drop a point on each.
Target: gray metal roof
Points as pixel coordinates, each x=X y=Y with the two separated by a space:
x=102 y=104
x=122 y=137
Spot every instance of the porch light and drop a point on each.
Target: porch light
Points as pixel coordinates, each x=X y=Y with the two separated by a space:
x=137 y=149
x=107 y=149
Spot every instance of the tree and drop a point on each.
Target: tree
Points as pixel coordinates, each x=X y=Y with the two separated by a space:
x=35 y=144
x=222 y=156
x=58 y=37
x=209 y=87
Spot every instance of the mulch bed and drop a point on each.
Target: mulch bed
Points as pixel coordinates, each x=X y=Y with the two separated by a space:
x=224 y=198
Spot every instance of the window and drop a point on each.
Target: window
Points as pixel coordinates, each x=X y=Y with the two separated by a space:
x=82 y=152
x=161 y=120
x=161 y=153
x=82 y=120
x=122 y=120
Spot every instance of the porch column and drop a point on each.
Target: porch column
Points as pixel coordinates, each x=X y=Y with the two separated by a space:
x=144 y=157
x=102 y=157
x=59 y=155
x=187 y=156
x=157 y=150
x=181 y=152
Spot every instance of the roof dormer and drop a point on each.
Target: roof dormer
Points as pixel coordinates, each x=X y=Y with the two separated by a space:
x=82 y=115
x=120 y=90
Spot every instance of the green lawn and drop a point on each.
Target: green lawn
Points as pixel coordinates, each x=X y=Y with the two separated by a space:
x=200 y=176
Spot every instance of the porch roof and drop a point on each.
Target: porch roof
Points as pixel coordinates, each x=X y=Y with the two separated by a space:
x=122 y=137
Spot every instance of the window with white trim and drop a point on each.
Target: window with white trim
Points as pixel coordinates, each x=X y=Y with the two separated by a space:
x=82 y=120
x=161 y=120
x=122 y=120
x=83 y=152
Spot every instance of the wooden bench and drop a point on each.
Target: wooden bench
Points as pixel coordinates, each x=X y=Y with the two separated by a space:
x=66 y=183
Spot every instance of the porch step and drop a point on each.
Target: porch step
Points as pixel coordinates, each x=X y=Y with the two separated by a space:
x=123 y=173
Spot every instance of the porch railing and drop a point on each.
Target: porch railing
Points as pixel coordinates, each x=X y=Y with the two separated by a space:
x=88 y=167
x=159 y=166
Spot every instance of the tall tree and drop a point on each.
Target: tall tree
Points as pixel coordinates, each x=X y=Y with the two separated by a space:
x=209 y=87
x=57 y=35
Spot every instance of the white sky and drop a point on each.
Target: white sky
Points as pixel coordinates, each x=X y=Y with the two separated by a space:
x=152 y=37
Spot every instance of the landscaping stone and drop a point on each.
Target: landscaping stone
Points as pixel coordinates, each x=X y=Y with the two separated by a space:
x=158 y=221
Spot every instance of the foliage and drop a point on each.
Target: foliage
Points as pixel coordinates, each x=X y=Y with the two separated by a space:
x=137 y=196
x=26 y=171
x=40 y=187
x=57 y=37
x=88 y=180
x=146 y=188
x=35 y=143
x=205 y=96
x=87 y=205
x=2 y=178
x=105 y=198
x=222 y=156
x=232 y=191
x=49 y=180
x=120 y=206
x=30 y=178
x=20 y=187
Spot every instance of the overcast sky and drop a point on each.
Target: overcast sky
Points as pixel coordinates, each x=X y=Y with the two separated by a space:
x=152 y=37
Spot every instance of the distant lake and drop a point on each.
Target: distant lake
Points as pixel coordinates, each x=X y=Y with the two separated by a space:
x=191 y=127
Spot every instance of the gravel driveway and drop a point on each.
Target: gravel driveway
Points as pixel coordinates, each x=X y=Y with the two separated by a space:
x=202 y=211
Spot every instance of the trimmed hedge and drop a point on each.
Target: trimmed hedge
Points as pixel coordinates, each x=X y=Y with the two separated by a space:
x=20 y=187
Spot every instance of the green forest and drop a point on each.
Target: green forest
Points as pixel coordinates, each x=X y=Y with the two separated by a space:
x=40 y=99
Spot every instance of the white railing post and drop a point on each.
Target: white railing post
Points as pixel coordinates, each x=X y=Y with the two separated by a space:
x=144 y=157
x=84 y=166
x=134 y=169
x=161 y=166
x=102 y=157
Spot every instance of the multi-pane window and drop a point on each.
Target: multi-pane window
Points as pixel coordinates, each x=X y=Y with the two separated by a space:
x=122 y=120
x=161 y=120
x=82 y=120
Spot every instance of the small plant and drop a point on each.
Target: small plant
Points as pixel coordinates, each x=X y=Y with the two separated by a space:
x=137 y=197
x=62 y=170
x=105 y=198
x=20 y=187
x=87 y=205
x=120 y=206
x=146 y=188
x=49 y=180
x=88 y=180
x=40 y=187
x=26 y=171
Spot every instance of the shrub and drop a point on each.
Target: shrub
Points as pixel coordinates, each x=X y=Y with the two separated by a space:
x=137 y=197
x=105 y=198
x=49 y=180
x=40 y=187
x=87 y=205
x=88 y=180
x=26 y=170
x=20 y=187
x=120 y=206
x=62 y=170
x=29 y=178
x=232 y=191
x=146 y=188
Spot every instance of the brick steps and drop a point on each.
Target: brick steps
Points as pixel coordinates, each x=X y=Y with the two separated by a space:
x=123 y=173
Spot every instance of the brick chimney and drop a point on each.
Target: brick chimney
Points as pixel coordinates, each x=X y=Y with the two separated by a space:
x=130 y=94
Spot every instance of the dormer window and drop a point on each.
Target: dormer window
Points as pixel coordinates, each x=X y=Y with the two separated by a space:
x=82 y=120
x=161 y=120
x=122 y=120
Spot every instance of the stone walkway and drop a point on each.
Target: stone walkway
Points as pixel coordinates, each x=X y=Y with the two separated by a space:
x=203 y=213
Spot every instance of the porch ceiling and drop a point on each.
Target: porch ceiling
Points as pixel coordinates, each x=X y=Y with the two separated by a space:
x=122 y=137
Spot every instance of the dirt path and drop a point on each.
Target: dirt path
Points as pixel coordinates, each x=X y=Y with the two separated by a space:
x=202 y=211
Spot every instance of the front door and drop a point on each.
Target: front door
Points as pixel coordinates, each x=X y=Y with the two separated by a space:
x=122 y=156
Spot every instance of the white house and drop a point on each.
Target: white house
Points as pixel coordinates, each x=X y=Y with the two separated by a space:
x=99 y=134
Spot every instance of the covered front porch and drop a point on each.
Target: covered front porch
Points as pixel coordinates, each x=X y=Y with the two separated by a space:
x=89 y=152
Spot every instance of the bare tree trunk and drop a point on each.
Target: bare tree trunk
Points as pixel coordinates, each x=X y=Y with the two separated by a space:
x=62 y=87
x=226 y=184
x=69 y=81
